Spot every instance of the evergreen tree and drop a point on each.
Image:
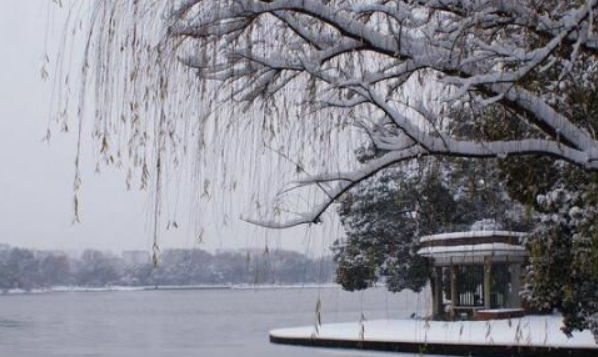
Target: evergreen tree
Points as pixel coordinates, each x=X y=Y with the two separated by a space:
x=385 y=215
x=563 y=246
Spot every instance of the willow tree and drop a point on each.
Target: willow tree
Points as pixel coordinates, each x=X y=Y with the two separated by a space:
x=307 y=77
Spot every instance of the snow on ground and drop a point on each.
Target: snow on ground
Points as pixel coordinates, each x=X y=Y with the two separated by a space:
x=526 y=331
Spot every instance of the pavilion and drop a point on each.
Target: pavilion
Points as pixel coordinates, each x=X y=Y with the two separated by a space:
x=476 y=275
x=480 y=271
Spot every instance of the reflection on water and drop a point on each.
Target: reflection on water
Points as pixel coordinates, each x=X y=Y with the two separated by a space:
x=218 y=323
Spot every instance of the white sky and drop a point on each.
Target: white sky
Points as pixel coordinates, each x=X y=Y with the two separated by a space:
x=36 y=208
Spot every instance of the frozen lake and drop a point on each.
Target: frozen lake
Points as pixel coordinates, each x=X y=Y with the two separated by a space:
x=212 y=323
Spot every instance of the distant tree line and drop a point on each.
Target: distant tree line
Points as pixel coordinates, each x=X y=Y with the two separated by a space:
x=28 y=269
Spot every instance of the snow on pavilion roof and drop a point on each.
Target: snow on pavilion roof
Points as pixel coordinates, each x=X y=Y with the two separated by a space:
x=470 y=235
x=473 y=246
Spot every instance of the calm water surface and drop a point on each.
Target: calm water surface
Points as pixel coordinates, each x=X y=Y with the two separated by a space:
x=218 y=323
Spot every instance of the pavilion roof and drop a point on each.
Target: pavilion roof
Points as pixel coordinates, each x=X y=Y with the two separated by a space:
x=472 y=247
x=470 y=235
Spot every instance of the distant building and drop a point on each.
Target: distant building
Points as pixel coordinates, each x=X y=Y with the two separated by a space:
x=136 y=257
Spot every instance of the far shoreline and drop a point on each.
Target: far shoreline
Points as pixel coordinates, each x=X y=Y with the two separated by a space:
x=119 y=288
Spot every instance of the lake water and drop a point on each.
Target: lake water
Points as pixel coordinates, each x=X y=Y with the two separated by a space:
x=213 y=323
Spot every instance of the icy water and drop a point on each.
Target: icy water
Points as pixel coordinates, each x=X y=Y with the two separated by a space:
x=210 y=323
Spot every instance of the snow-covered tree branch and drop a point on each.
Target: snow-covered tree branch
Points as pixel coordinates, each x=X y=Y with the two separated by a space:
x=359 y=63
x=361 y=56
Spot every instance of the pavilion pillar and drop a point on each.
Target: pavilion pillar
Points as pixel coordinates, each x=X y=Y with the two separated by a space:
x=487 y=283
x=515 y=288
x=437 y=292
x=454 y=292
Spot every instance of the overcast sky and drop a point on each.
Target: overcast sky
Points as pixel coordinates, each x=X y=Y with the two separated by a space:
x=36 y=198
